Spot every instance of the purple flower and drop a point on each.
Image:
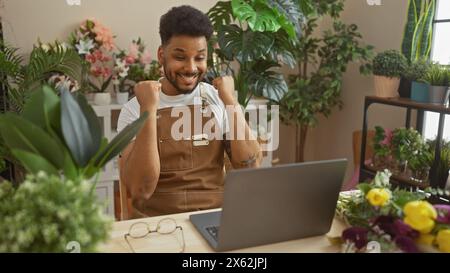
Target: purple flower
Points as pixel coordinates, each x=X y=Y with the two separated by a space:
x=394 y=227
x=406 y=244
x=356 y=235
x=443 y=212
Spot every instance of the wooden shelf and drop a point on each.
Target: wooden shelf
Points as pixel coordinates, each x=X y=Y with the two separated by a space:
x=400 y=181
x=408 y=103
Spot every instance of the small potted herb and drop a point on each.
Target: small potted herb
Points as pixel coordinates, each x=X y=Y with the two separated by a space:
x=415 y=73
x=388 y=66
x=438 y=77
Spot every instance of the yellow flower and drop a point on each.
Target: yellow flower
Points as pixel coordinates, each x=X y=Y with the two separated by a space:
x=420 y=215
x=443 y=240
x=378 y=197
x=426 y=239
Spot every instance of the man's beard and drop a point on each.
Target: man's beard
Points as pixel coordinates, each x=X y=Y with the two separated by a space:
x=174 y=83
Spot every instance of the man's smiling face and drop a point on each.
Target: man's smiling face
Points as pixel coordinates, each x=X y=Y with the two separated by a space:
x=184 y=60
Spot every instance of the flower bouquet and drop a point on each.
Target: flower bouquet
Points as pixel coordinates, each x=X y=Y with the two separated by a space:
x=94 y=43
x=390 y=219
x=133 y=66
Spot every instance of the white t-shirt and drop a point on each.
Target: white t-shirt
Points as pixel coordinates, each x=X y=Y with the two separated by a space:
x=131 y=110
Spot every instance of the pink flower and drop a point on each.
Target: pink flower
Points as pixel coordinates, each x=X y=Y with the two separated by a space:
x=133 y=51
x=129 y=59
x=96 y=71
x=91 y=58
x=146 y=58
x=106 y=72
x=388 y=137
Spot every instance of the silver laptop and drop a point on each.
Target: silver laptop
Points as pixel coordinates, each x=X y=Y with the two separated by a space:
x=269 y=205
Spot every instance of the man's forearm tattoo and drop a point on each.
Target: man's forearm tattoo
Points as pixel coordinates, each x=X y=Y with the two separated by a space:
x=248 y=162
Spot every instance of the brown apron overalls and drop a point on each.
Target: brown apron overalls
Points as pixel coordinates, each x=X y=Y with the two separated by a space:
x=192 y=170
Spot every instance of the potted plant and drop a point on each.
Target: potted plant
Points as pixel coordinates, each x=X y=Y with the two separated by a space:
x=382 y=148
x=322 y=60
x=406 y=145
x=388 y=66
x=255 y=35
x=49 y=213
x=437 y=77
x=131 y=67
x=443 y=166
x=61 y=135
x=94 y=43
x=420 y=164
x=416 y=43
x=415 y=73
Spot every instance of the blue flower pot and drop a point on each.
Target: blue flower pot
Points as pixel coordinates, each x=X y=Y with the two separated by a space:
x=419 y=92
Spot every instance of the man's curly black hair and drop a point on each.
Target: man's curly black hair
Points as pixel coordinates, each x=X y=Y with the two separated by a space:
x=184 y=20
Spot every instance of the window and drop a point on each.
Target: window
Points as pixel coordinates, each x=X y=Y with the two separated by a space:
x=440 y=53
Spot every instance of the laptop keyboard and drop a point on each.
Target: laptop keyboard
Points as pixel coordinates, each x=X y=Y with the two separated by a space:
x=213 y=231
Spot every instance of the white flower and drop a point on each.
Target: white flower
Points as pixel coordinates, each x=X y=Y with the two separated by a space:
x=382 y=178
x=122 y=68
x=84 y=46
x=45 y=47
x=147 y=68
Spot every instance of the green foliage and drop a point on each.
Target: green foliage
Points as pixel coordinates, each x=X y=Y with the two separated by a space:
x=273 y=26
x=22 y=79
x=417 y=70
x=437 y=75
x=406 y=143
x=316 y=92
x=61 y=135
x=381 y=147
x=418 y=32
x=443 y=166
x=389 y=63
x=45 y=213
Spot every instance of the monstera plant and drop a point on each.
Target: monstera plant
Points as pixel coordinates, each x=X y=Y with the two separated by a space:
x=61 y=135
x=257 y=35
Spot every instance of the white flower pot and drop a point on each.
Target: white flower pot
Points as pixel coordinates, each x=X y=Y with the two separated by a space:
x=122 y=97
x=386 y=87
x=102 y=98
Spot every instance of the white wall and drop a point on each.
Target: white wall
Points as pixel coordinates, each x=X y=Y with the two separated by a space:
x=24 y=21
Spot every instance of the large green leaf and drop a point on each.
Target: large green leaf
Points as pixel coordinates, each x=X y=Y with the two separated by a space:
x=427 y=33
x=266 y=82
x=92 y=119
x=42 y=108
x=120 y=141
x=245 y=45
x=76 y=131
x=33 y=162
x=411 y=22
x=91 y=169
x=22 y=134
x=220 y=14
x=261 y=18
x=289 y=16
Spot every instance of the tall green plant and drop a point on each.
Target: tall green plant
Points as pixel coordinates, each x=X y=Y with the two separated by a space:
x=257 y=34
x=61 y=135
x=317 y=91
x=418 y=31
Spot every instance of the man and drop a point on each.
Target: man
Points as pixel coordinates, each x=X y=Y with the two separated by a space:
x=163 y=173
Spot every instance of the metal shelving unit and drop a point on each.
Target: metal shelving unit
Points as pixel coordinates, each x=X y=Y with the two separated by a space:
x=368 y=172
